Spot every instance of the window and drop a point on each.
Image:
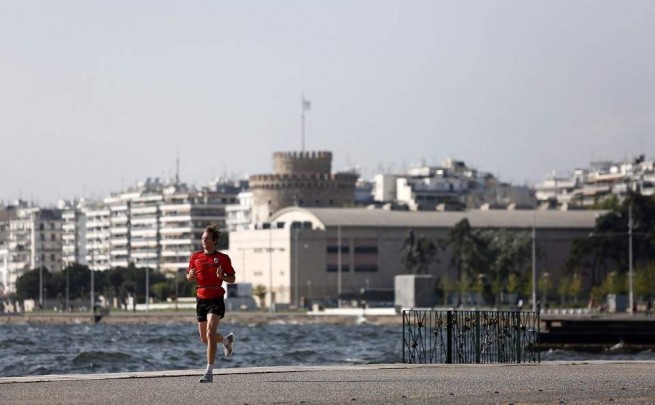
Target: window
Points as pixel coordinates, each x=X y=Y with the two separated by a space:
x=333 y=268
x=335 y=249
x=366 y=249
x=366 y=268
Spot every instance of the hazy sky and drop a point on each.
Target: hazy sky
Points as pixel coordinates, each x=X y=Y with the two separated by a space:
x=97 y=95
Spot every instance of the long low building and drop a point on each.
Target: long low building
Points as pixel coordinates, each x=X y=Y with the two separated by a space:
x=317 y=253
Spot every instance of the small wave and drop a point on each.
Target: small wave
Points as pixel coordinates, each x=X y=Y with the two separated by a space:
x=12 y=343
x=300 y=355
x=93 y=357
x=163 y=339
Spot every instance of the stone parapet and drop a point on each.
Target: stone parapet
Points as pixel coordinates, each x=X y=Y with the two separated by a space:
x=302 y=162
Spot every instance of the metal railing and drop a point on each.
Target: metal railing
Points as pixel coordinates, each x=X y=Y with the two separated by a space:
x=438 y=336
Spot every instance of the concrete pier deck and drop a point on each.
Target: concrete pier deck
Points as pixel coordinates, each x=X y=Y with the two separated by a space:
x=593 y=382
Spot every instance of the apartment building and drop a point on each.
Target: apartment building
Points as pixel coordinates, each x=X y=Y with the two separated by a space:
x=73 y=235
x=601 y=180
x=153 y=224
x=30 y=237
x=239 y=216
x=184 y=214
x=452 y=185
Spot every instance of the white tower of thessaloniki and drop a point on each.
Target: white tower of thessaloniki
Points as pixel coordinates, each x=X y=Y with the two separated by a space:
x=303 y=179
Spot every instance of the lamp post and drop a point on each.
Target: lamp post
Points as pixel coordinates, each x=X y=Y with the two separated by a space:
x=630 y=288
x=295 y=265
x=177 y=274
x=630 y=234
x=534 y=264
x=339 y=266
x=92 y=295
x=40 y=284
x=270 y=266
x=147 y=288
x=67 y=270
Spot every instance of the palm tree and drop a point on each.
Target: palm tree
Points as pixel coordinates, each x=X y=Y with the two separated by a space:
x=418 y=253
x=260 y=292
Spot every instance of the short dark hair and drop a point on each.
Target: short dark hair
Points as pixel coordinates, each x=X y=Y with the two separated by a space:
x=214 y=231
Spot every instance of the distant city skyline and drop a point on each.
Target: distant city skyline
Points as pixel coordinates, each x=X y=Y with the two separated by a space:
x=98 y=96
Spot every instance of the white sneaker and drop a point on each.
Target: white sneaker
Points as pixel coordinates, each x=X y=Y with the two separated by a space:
x=207 y=377
x=229 y=346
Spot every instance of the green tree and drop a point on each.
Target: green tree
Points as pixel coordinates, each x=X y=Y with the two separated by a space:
x=614 y=283
x=507 y=252
x=563 y=289
x=513 y=283
x=27 y=285
x=607 y=246
x=545 y=284
x=644 y=281
x=418 y=253
x=260 y=292
x=575 y=287
x=446 y=286
x=161 y=290
x=468 y=253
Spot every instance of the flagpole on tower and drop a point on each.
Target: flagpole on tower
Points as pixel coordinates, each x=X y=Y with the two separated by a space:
x=304 y=106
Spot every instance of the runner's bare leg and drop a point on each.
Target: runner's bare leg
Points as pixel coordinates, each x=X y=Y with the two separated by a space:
x=209 y=336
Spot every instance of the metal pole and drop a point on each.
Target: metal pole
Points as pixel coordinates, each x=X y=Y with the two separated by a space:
x=630 y=294
x=177 y=274
x=147 y=289
x=295 y=265
x=339 y=266
x=41 y=285
x=270 y=266
x=93 y=259
x=534 y=264
x=67 y=270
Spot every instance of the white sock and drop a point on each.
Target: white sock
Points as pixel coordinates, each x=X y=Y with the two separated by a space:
x=210 y=368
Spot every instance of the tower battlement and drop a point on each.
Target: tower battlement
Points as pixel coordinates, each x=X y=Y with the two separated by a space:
x=302 y=162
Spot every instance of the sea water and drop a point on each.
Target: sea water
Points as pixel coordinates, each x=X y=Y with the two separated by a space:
x=107 y=348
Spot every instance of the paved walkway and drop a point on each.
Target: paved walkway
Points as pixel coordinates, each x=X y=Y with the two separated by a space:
x=594 y=382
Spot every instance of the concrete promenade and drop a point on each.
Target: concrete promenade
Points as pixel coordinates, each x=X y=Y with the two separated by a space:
x=594 y=382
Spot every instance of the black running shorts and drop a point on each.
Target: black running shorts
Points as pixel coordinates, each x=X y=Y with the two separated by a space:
x=209 y=306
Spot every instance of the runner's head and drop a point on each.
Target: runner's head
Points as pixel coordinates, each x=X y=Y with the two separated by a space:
x=210 y=238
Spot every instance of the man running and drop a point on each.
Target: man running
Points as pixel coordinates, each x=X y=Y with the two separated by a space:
x=208 y=269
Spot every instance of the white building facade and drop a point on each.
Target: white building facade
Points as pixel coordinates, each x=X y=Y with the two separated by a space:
x=152 y=225
x=33 y=240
